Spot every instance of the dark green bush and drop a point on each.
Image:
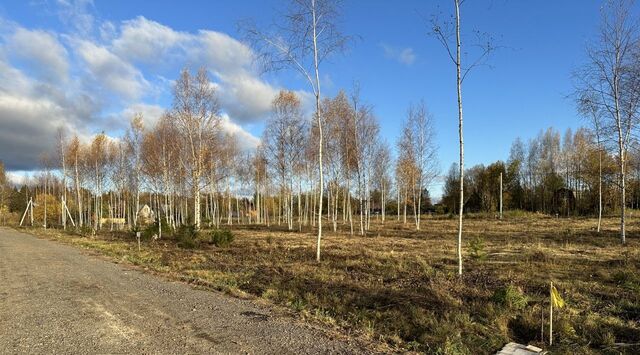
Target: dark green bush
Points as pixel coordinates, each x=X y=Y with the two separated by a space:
x=187 y=236
x=149 y=232
x=152 y=229
x=222 y=238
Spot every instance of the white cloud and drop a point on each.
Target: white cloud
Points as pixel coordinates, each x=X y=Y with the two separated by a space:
x=111 y=71
x=107 y=31
x=30 y=113
x=404 y=56
x=147 y=41
x=13 y=80
x=245 y=97
x=121 y=120
x=243 y=94
x=245 y=139
x=222 y=53
x=76 y=13
x=19 y=177
x=150 y=113
x=41 y=51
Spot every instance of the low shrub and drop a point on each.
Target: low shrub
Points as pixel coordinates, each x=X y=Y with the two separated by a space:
x=153 y=230
x=221 y=238
x=626 y=279
x=513 y=214
x=187 y=236
x=476 y=246
x=511 y=297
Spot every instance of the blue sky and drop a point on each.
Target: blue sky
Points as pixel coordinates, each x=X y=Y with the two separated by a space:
x=395 y=60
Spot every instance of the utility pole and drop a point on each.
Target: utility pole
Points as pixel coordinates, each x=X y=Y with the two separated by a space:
x=30 y=207
x=27 y=210
x=63 y=214
x=500 y=195
x=68 y=213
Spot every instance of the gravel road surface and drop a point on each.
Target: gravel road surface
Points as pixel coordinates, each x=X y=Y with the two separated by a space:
x=55 y=299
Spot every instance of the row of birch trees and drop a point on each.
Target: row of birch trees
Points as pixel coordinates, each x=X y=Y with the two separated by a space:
x=189 y=170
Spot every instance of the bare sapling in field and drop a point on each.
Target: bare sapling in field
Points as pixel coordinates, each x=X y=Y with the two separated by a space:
x=448 y=33
x=418 y=156
x=306 y=36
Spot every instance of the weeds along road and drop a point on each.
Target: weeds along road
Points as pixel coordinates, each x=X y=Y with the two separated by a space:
x=54 y=299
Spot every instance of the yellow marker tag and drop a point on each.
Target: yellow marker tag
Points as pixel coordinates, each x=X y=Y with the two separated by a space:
x=558 y=302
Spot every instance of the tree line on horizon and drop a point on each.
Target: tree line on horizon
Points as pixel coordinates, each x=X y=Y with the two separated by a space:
x=271 y=185
x=548 y=174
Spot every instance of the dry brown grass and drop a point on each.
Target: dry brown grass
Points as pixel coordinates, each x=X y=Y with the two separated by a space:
x=400 y=286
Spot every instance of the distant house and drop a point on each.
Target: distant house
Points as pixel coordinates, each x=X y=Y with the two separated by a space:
x=146 y=215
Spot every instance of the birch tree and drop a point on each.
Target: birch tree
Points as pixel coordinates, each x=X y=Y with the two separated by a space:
x=73 y=156
x=46 y=163
x=449 y=35
x=98 y=162
x=284 y=139
x=339 y=151
x=62 y=147
x=382 y=162
x=612 y=74
x=3 y=193
x=365 y=130
x=120 y=177
x=306 y=35
x=134 y=139
x=259 y=180
x=157 y=155
x=424 y=150
x=588 y=107
x=195 y=114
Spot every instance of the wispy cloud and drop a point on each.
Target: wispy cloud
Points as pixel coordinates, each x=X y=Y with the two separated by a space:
x=76 y=13
x=41 y=51
x=404 y=56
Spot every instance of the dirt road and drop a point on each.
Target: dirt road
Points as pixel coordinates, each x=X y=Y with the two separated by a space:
x=55 y=299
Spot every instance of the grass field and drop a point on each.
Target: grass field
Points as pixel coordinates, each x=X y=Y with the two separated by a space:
x=399 y=287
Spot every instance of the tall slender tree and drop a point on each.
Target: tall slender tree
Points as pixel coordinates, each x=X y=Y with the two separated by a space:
x=134 y=139
x=588 y=107
x=195 y=114
x=305 y=37
x=284 y=139
x=444 y=32
x=612 y=75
